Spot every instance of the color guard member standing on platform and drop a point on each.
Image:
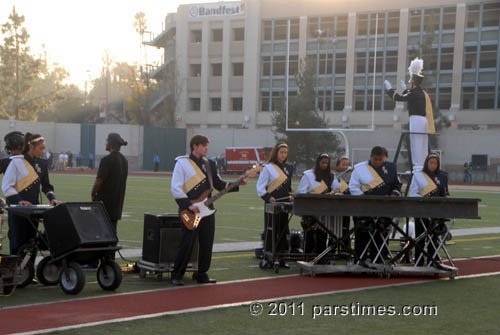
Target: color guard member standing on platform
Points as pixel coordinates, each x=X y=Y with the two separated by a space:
x=373 y=177
x=275 y=184
x=420 y=110
x=430 y=182
x=193 y=175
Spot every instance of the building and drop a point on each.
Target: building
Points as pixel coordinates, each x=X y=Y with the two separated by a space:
x=231 y=60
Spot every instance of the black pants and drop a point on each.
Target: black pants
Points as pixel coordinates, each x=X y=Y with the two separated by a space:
x=205 y=233
x=21 y=231
x=419 y=229
x=281 y=232
x=156 y=167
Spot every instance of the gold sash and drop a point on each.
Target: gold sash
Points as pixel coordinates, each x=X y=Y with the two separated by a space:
x=320 y=189
x=282 y=178
x=377 y=180
x=198 y=177
x=343 y=186
x=25 y=182
x=431 y=186
x=428 y=114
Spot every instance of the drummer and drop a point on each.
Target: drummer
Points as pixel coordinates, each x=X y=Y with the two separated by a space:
x=21 y=184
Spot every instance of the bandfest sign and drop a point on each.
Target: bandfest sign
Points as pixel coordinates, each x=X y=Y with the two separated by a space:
x=219 y=9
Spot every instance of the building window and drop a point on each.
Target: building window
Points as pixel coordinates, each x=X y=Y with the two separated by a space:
x=293 y=65
x=237 y=104
x=342 y=26
x=215 y=104
x=266 y=66
x=467 y=97
x=470 y=58
x=360 y=62
x=268 y=30
x=373 y=23
x=362 y=24
x=237 y=69
x=391 y=61
x=415 y=17
x=446 y=59
x=393 y=23
x=216 y=35
x=444 y=98
x=488 y=56
x=279 y=65
x=195 y=70
x=359 y=100
x=238 y=34
x=485 y=97
x=280 y=28
x=194 y=104
x=473 y=16
x=325 y=63
x=338 y=100
x=449 y=18
x=432 y=18
x=491 y=14
x=196 y=36
x=217 y=69
x=264 y=101
x=324 y=101
x=340 y=63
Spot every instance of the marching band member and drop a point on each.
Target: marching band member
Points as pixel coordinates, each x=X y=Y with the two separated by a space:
x=193 y=175
x=275 y=184
x=420 y=110
x=430 y=182
x=21 y=186
x=373 y=177
x=319 y=180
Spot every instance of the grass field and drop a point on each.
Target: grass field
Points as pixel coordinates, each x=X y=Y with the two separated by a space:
x=464 y=306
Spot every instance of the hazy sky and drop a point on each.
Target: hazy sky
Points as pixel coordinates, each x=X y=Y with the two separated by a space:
x=76 y=33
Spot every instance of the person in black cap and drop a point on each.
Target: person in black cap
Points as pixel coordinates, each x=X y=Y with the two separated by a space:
x=420 y=110
x=111 y=180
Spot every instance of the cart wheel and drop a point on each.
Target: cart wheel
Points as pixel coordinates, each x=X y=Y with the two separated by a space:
x=48 y=274
x=452 y=276
x=142 y=273
x=72 y=279
x=276 y=266
x=8 y=289
x=109 y=276
x=27 y=275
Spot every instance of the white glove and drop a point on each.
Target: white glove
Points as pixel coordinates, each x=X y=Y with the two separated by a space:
x=387 y=85
x=403 y=85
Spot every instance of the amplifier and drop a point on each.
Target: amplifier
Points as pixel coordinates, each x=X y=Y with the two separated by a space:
x=162 y=237
x=73 y=225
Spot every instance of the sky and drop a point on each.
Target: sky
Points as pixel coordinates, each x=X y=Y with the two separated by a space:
x=76 y=33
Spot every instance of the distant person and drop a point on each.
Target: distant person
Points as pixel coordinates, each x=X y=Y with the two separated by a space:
x=70 y=159
x=78 y=157
x=156 y=162
x=60 y=160
x=51 y=161
x=470 y=173
x=91 y=161
x=111 y=181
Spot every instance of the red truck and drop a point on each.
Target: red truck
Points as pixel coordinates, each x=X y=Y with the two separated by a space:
x=238 y=159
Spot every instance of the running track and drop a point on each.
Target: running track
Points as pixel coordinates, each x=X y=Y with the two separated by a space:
x=120 y=307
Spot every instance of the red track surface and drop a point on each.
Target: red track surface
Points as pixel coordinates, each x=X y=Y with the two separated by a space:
x=64 y=314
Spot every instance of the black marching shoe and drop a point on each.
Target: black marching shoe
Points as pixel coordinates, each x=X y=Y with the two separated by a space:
x=284 y=265
x=176 y=281
x=203 y=278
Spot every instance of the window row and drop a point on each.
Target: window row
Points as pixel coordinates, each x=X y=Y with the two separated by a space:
x=216 y=70
x=216 y=104
x=238 y=34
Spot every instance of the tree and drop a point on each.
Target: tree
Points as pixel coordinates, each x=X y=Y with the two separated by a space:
x=28 y=84
x=305 y=145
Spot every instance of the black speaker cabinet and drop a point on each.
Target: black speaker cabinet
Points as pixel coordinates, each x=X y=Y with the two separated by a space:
x=162 y=236
x=75 y=225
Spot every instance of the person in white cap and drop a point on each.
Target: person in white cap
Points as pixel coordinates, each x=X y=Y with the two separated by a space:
x=420 y=110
